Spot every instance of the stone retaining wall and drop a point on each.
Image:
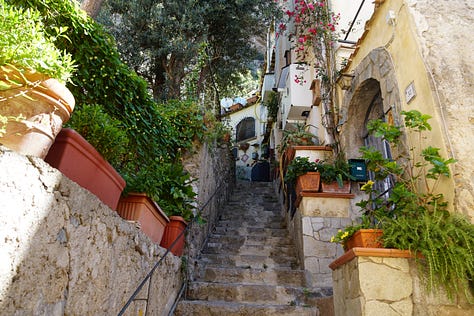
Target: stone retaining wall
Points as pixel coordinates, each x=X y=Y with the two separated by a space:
x=64 y=252
x=316 y=220
x=372 y=284
x=215 y=173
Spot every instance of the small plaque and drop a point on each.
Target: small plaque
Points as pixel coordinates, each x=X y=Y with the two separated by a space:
x=410 y=92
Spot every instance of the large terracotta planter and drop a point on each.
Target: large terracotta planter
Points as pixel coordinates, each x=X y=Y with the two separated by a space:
x=174 y=228
x=142 y=209
x=365 y=238
x=80 y=162
x=334 y=187
x=308 y=182
x=44 y=104
x=313 y=152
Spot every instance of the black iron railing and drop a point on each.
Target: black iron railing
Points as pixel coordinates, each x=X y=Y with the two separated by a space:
x=157 y=264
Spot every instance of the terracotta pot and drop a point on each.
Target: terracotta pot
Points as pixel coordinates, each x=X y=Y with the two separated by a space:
x=334 y=187
x=142 y=209
x=79 y=161
x=365 y=238
x=226 y=137
x=172 y=230
x=313 y=152
x=308 y=182
x=44 y=105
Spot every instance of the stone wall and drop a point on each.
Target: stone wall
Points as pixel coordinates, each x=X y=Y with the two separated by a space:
x=65 y=253
x=316 y=220
x=214 y=169
x=428 y=48
x=374 y=285
x=443 y=31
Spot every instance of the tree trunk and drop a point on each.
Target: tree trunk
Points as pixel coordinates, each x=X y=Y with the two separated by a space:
x=92 y=7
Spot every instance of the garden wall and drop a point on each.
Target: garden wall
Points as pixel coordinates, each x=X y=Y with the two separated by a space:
x=369 y=281
x=63 y=252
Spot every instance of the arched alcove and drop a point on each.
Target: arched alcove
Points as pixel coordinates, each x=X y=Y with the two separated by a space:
x=374 y=94
x=245 y=129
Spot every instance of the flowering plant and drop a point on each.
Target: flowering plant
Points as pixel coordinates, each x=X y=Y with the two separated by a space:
x=344 y=234
x=299 y=79
x=314 y=24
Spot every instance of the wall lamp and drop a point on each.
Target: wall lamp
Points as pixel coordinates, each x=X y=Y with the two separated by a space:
x=345 y=81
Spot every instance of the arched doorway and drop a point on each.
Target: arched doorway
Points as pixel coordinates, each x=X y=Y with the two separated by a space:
x=375 y=96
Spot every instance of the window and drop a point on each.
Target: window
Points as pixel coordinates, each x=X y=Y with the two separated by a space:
x=375 y=111
x=245 y=129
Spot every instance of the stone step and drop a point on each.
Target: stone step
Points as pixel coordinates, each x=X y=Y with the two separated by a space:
x=250 y=214
x=273 y=241
x=258 y=216
x=243 y=224
x=249 y=231
x=220 y=308
x=248 y=261
x=248 y=249
x=275 y=276
x=249 y=293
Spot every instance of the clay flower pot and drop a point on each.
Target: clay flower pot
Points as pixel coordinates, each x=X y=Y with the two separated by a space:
x=79 y=161
x=36 y=111
x=334 y=187
x=142 y=209
x=308 y=182
x=174 y=228
x=365 y=238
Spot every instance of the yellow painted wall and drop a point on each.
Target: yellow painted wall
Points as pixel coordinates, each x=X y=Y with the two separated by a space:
x=401 y=43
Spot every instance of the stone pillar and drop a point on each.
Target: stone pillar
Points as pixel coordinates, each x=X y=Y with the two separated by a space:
x=318 y=218
x=378 y=281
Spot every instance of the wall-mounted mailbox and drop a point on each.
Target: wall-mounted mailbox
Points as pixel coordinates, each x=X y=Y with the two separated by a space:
x=358 y=169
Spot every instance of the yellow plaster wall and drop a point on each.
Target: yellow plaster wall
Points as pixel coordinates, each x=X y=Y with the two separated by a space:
x=402 y=43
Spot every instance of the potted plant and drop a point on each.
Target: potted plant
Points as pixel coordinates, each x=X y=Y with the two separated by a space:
x=141 y=208
x=415 y=216
x=335 y=175
x=304 y=174
x=170 y=186
x=359 y=235
x=34 y=101
x=299 y=135
x=89 y=150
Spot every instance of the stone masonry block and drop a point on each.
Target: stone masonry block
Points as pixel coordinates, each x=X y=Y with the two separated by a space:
x=397 y=263
x=307 y=227
x=324 y=207
x=377 y=308
x=371 y=274
x=312 y=247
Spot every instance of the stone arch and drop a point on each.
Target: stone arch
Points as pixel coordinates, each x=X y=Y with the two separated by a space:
x=374 y=74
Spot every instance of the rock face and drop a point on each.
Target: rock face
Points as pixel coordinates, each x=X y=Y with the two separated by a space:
x=249 y=265
x=64 y=252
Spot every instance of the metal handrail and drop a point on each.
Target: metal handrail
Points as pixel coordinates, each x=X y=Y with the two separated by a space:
x=150 y=273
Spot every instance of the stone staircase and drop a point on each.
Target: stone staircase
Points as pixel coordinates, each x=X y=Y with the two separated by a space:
x=249 y=265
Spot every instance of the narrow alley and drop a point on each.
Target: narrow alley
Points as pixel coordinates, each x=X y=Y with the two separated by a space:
x=249 y=265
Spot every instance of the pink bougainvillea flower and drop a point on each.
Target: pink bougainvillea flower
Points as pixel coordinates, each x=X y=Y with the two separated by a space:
x=311 y=6
x=290 y=13
x=312 y=31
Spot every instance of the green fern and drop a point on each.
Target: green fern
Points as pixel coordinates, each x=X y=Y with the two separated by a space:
x=445 y=242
